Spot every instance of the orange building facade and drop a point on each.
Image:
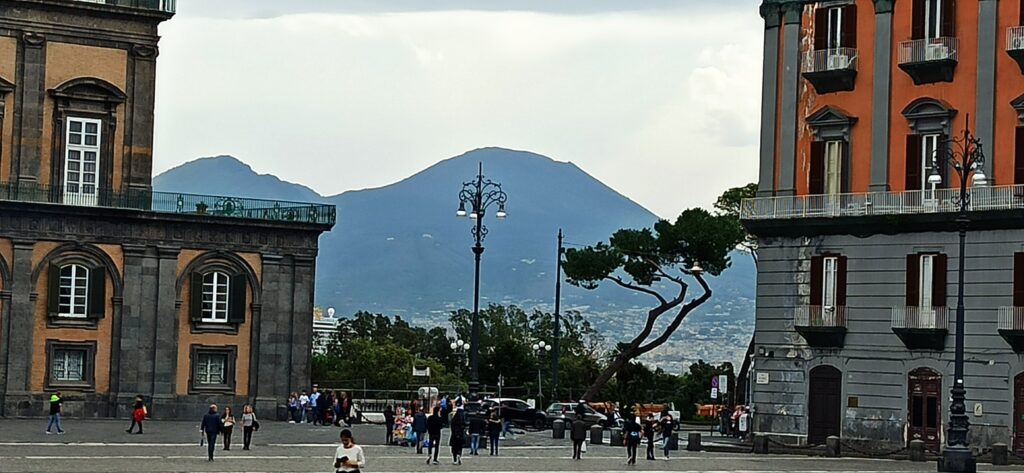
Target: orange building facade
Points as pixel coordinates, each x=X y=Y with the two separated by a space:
x=856 y=211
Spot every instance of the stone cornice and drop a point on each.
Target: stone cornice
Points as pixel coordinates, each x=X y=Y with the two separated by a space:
x=792 y=12
x=884 y=6
x=771 y=13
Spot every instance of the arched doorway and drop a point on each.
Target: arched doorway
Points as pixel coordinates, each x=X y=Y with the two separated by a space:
x=824 y=404
x=1018 y=414
x=924 y=408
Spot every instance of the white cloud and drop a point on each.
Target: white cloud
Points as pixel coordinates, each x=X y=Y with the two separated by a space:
x=662 y=105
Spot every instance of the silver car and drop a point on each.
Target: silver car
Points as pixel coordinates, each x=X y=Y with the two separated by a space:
x=566 y=411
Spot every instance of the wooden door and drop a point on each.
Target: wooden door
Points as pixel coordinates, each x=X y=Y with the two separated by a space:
x=1018 y=414
x=924 y=409
x=824 y=404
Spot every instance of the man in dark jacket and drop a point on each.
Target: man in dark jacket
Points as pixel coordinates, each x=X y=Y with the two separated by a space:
x=434 y=425
x=211 y=427
x=389 y=424
x=419 y=427
x=578 y=434
x=477 y=429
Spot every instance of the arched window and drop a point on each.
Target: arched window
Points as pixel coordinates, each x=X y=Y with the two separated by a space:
x=215 y=296
x=74 y=291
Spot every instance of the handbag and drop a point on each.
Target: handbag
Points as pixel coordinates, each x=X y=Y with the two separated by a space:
x=584 y=447
x=255 y=426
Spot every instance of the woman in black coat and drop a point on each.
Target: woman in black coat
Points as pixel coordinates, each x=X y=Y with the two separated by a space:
x=578 y=434
x=457 y=438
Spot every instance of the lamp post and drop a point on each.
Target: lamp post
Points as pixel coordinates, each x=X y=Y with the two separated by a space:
x=558 y=318
x=965 y=155
x=474 y=199
x=459 y=350
x=540 y=349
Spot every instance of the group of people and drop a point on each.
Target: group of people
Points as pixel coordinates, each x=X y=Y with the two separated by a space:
x=138 y=409
x=635 y=431
x=216 y=423
x=320 y=408
x=735 y=422
x=415 y=427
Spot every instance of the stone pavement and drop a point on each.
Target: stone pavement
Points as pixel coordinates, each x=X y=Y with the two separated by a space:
x=103 y=446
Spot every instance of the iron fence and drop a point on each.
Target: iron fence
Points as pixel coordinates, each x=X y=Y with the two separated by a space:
x=929 y=50
x=929 y=318
x=820 y=316
x=835 y=59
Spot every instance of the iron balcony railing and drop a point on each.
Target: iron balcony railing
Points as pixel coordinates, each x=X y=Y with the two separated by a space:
x=920 y=318
x=820 y=316
x=881 y=203
x=168 y=6
x=1015 y=38
x=1011 y=318
x=175 y=203
x=825 y=60
x=929 y=50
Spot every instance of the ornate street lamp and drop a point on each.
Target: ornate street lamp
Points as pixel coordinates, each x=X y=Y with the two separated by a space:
x=541 y=349
x=474 y=200
x=965 y=155
x=459 y=348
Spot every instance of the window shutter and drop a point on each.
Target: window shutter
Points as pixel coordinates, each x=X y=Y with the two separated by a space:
x=236 y=299
x=53 y=290
x=913 y=181
x=820 y=28
x=841 y=281
x=846 y=177
x=817 y=280
x=1018 y=279
x=1021 y=13
x=939 y=281
x=816 y=184
x=913 y=280
x=97 y=293
x=917 y=29
x=940 y=161
x=848 y=36
x=1018 y=160
x=948 y=18
x=195 y=295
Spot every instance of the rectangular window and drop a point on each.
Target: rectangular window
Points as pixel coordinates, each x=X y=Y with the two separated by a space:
x=933 y=19
x=1018 y=158
x=833 y=167
x=81 y=161
x=68 y=365
x=835 y=27
x=830 y=266
x=927 y=282
x=917 y=412
x=74 y=291
x=929 y=148
x=215 y=297
x=211 y=369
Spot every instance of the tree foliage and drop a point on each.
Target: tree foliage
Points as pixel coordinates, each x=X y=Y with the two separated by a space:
x=649 y=260
x=729 y=204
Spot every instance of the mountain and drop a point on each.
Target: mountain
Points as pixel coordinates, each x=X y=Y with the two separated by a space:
x=401 y=250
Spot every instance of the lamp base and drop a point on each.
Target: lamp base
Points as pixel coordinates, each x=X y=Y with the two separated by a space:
x=958 y=460
x=474 y=390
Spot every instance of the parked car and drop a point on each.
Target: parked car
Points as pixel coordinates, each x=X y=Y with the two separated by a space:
x=566 y=411
x=518 y=410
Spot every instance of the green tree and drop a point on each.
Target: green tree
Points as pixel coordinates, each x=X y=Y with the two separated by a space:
x=729 y=204
x=647 y=260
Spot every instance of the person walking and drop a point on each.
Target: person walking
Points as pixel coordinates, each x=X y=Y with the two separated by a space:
x=249 y=425
x=434 y=425
x=578 y=435
x=419 y=428
x=494 y=427
x=631 y=431
x=138 y=413
x=348 y=457
x=56 y=409
x=649 y=425
x=211 y=426
x=303 y=408
x=389 y=424
x=724 y=421
x=227 y=422
x=457 y=438
x=314 y=399
x=506 y=417
x=477 y=428
x=668 y=427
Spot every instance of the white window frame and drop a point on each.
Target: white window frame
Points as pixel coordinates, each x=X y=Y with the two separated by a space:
x=204 y=369
x=926 y=298
x=73 y=292
x=62 y=363
x=932 y=19
x=75 y=189
x=929 y=148
x=830 y=281
x=834 y=167
x=215 y=297
x=835 y=28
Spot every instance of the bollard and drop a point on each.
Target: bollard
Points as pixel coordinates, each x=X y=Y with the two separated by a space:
x=915 y=452
x=760 y=444
x=673 y=442
x=596 y=434
x=616 y=438
x=1000 y=454
x=693 y=442
x=558 y=429
x=832 y=447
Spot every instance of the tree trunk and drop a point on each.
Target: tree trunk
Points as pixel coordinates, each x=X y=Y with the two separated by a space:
x=606 y=375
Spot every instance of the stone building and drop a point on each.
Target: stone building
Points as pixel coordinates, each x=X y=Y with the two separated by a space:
x=856 y=290
x=107 y=288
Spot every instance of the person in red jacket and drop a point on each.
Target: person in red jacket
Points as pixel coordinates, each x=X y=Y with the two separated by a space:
x=139 y=413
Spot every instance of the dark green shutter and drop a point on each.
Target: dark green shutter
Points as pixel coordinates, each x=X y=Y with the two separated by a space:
x=236 y=299
x=53 y=291
x=97 y=293
x=195 y=295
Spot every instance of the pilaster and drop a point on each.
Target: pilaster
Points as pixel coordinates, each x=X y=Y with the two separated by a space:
x=881 y=97
x=988 y=11
x=769 y=97
x=792 y=13
x=28 y=107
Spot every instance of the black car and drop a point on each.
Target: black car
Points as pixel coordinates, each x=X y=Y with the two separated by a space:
x=518 y=411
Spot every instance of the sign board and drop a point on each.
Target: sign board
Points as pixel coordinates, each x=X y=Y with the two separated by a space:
x=423 y=371
x=714 y=393
x=762 y=377
x=723 y=383
x=714 y=382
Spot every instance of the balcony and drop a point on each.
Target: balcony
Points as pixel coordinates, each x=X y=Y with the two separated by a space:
x=166 y=6
x=1015 y=45
x=880 y=203
x=831 y=70
x=822 y=327
x=1011 y=327
x=930 y=60
x=921 y=328
x=175 y=203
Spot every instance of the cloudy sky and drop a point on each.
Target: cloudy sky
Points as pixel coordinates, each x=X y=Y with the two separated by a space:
x=657 y=98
